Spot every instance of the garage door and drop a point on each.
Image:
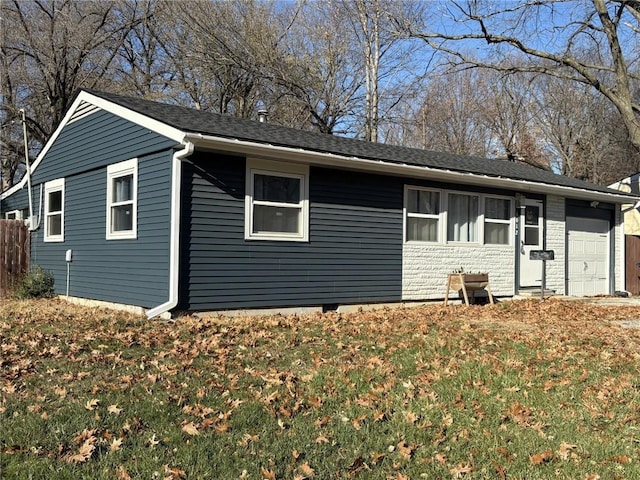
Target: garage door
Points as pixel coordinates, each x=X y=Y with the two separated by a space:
x=588 y=256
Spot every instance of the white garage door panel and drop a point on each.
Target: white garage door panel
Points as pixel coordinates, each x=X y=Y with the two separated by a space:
x=588 y=256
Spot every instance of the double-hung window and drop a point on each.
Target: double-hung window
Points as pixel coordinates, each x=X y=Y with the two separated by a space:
x=54 y=211
x=276 y=201
x=122 y=191
x=423 y=215
x=462 y=218
x=497 y=221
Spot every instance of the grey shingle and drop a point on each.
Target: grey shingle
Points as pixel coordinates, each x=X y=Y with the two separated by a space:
x=197 y=121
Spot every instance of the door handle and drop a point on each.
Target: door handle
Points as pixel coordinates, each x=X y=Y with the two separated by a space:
x=522 y=247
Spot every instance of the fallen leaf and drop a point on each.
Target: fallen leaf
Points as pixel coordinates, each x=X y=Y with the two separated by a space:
x=405 y=450
x=190 y=429
x=307 y=471
x=500 y=471
x=461 y=470
x=357 y=465
x=114 y=409
x=92 y=404
x=621 y=459
x=122 y=474
x=115 y=445
x=267 y=474
x=84 y=453
x=540 y=458
x=565 y=450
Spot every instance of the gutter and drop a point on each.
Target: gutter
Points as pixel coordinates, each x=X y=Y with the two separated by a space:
x=276 y=152
x=174 y=243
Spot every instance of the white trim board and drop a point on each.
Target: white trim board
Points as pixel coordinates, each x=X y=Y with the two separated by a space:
x=80 y=105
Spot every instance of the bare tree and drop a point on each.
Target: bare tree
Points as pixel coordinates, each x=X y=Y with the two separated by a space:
x=509 y=112
x=387 y=56
x=53 y=48
x=451 y=115
x=582 y=132
x=552 y=37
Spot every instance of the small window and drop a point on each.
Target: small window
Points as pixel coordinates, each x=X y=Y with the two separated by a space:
x=13 y=215
x=497 y=221
x=462 y=218
x=122 y=186
x=54 y=211
x=423 y=215
x=276 y=201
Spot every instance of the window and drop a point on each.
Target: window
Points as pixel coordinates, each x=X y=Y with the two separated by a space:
x=13 y=215
x=54 y=211
x=276 y=204
x=440 y=216
x=462 y=218
x=497 y=221
x=423 y=215
x=122 y=186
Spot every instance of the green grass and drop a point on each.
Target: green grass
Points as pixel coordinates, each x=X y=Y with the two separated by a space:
x=520 y=390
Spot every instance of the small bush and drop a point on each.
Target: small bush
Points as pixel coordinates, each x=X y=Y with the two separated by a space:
x=38 y=283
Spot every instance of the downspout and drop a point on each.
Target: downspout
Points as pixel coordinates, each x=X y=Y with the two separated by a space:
x=174 y=246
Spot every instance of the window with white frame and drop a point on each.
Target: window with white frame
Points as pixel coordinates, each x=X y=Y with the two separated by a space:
x=276 y=201
x=441 y=216
x=497 y=221
x=462 y=218
x=423 y=215
x=13 y=215
x=54 y=211
x=122 y=191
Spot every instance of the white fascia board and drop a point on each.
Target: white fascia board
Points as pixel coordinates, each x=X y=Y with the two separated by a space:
x=123 y=112
x=415 y=171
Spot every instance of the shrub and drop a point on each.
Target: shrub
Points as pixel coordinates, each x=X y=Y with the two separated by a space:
x=38 y=283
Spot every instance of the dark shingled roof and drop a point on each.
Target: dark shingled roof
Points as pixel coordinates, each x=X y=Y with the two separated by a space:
x=207 y=123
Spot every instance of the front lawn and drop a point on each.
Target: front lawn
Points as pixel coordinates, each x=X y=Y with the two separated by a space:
x=519 y=390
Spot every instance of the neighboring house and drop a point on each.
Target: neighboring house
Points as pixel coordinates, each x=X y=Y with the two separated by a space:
x=631 y=215
x=170 y=208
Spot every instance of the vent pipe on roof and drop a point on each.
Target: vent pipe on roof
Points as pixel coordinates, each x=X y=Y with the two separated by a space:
x=263 y=113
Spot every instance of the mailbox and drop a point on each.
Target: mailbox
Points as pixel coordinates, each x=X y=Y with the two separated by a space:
x=541 y=255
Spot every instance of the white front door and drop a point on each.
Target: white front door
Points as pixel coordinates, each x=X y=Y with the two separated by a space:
x=531 y=238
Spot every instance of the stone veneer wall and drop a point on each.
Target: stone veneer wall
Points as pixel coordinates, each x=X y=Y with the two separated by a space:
x=425 y=268
x=556 y=241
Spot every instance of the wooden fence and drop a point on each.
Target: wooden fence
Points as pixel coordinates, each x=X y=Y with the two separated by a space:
x=14 y=253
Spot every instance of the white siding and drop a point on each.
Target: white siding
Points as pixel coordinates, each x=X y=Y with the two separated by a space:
x=556 y=238
x=425 y=268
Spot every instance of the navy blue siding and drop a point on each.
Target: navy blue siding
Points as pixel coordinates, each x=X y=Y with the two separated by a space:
x=95 y=141
x=123 y=271
x=354 y=253
x=132 y=271
x=17 y=201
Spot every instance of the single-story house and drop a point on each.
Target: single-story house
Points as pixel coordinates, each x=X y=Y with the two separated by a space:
x=169 y=208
